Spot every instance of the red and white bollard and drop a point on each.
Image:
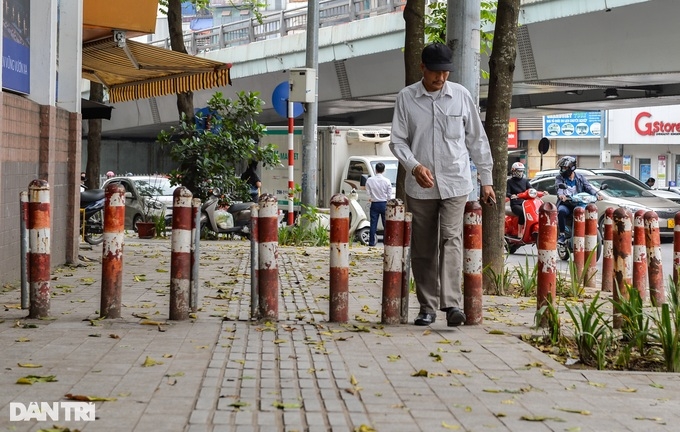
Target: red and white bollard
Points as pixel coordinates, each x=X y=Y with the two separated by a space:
x=406 y=274
x=578 y=239
x=40 y=247
x=180 y=259
x=339 y=259
x=640 y=254
x=392 y=263
x=608 y=251
x=268 y=254
x=112 y=251
x=590 y=246
x=547 y=256
x=623 y=258
x=657 y=292
x=473 y=290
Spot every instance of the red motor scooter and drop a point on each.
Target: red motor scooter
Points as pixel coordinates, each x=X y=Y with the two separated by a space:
x=517 y=235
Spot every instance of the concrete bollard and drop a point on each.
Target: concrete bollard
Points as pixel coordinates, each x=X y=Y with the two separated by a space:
x=578 y=239
x=112 y=251
x=268 y=254
x=23 y=227
x=547 y=256
x=623 y=258
x=180 y=259
x=406 y=273
x=657 y=292
x=254 y=245
x=39 y=240
x=590 y=245
x=640 y=254
x=339 y=259
x=392 y=263
x=608 y=251
x=473 y=290
x=195 y=252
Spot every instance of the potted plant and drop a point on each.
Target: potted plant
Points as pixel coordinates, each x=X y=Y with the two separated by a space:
x=152 y=209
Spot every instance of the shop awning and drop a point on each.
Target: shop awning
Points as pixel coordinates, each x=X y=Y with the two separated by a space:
x=139 y=71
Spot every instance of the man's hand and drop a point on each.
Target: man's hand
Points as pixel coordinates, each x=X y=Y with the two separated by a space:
x=424 y=177
x=488 y=195
x=513 y=196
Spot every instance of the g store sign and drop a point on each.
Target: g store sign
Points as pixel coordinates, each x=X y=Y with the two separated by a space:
x=647 y=125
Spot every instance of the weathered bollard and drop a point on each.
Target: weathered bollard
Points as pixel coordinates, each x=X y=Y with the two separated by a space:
x=180 y=254
x=623 y=258
x=339 y=259
x=590 y=245
x=547 y=256
x=578 y=239
x=393 y=239
x=657 y=292
x=39 y=248
x=608 y=251
x=268 y=254
x=473 y=290
x=676 y=250
x=112 y=251
x=640 y=254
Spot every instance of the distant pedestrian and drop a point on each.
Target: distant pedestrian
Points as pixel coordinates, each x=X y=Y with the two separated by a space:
x=250 y=176
x=379 y=190
x=650 y=182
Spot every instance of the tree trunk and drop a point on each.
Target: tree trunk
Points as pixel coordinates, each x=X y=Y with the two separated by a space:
x=414 y=41
x=185 y=101
x=501 y=70
x=94 y=140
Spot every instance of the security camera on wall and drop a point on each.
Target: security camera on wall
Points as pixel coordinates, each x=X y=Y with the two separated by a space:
x=119 y=37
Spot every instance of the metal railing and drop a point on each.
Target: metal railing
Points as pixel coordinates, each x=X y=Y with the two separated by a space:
x=282 y=23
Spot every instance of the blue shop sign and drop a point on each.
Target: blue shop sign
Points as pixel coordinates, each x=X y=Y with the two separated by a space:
x=574 y=125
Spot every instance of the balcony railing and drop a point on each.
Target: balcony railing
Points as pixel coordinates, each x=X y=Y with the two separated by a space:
x=282 y=23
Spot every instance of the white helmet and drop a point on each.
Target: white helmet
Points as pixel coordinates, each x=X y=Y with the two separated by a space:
x=517 y=170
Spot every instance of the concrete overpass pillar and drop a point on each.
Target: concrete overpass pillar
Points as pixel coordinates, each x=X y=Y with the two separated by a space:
x=463 y=37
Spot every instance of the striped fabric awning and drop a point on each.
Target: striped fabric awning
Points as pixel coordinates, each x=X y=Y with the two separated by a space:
x=139 y=71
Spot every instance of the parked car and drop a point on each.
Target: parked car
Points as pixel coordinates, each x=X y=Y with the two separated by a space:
x=145 y=196
x=667 y=193
x=620 y=192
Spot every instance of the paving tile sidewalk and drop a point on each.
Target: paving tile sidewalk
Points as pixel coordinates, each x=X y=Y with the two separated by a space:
x=222 y=372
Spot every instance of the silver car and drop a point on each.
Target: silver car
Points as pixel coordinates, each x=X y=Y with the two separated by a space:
x=145 y=196
x=667 y=193
x=620 y=193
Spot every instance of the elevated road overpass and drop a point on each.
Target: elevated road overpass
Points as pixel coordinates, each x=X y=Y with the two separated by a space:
x=572 y=55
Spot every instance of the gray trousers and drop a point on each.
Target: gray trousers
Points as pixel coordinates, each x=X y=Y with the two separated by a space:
x=437 y=251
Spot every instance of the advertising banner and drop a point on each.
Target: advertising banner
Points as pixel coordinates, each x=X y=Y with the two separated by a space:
x=573 y=125
x=649 y=125
x=16 y=47
x=512 y=133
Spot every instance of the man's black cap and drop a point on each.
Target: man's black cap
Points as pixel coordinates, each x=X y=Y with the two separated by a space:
x=437 y=57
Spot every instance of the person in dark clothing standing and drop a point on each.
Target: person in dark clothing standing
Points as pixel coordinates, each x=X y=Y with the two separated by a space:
x=250 y=176
x=517 y=184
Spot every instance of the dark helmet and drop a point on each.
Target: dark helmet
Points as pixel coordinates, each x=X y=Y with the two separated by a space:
x=567 y=165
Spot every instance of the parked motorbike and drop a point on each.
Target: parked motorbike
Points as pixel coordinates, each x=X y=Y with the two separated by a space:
x=92 y=215
x=517 y=235
x=566 y=247
x=359 y=225
x=233 y=220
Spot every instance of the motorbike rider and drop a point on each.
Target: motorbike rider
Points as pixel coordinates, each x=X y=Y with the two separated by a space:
x=517 y=184
x=575 y=183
